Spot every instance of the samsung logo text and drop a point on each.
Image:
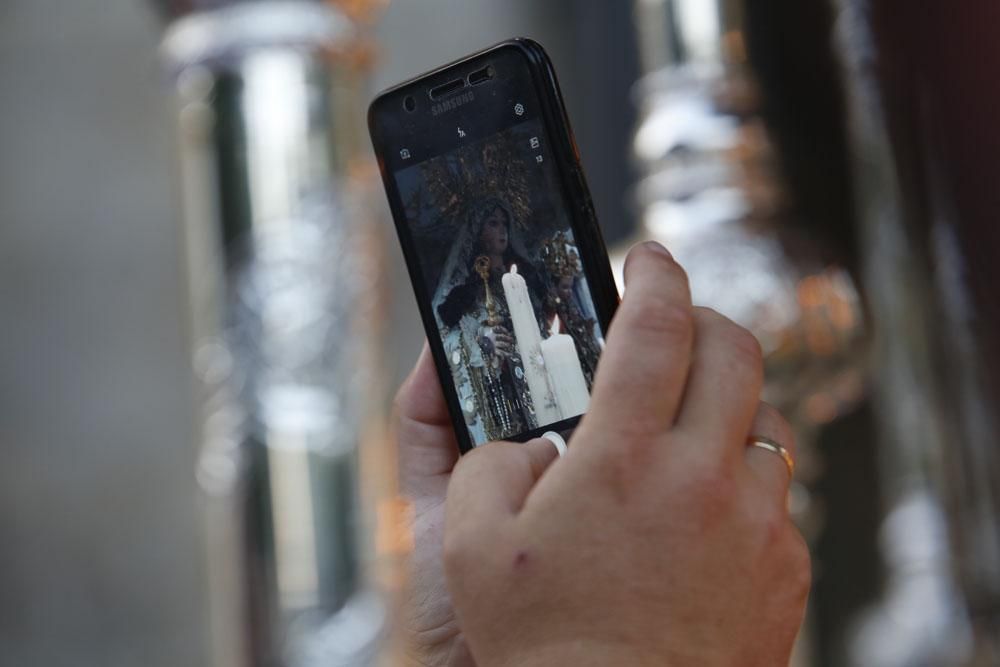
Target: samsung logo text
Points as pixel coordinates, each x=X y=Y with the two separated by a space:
x=453 y=103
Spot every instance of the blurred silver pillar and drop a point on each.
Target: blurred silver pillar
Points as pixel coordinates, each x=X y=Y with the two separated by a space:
x=713 y=192
x=938 y=422
x=282 y=292
x=711 y=189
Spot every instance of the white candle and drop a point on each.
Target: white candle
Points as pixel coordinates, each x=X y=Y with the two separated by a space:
x=529 y=344
x=566 y=374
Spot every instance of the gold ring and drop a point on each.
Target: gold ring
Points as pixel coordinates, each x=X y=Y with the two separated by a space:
x=775 y=448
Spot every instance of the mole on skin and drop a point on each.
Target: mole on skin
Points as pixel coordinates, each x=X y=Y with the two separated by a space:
x=520 y=560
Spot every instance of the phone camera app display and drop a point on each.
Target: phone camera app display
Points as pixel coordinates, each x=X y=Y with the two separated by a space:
x=505 y=280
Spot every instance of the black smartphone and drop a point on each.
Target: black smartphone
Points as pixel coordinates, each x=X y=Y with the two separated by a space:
x=499 y=234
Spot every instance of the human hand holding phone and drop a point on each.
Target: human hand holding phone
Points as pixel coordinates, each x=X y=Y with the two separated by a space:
x=499 y=236
x=661 y=538
x=427 y=454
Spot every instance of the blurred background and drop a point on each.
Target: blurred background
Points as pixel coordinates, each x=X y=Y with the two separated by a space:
x=205 y=310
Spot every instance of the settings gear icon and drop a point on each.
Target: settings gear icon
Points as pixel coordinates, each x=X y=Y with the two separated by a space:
x=519 y=109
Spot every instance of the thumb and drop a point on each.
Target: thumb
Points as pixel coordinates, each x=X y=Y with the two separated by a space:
x=424 y=431
x=490 y=483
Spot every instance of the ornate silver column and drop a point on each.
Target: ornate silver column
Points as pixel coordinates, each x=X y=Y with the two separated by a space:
x=940 y=538
x=712 y=191
x=284 y=307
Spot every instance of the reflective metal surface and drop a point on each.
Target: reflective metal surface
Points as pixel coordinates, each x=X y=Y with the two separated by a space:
x=284 y=292
x=714 y=194
x=926 y=217
x=925 y=343
x=712 y=190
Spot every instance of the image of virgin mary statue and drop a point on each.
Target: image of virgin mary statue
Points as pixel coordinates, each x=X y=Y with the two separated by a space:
x=475 y=324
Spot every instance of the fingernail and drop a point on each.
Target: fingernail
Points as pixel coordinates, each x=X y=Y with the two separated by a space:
x=557 y=441
x=658 y=247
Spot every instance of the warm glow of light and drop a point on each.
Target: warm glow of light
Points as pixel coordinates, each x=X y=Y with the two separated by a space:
x=394 y=527
x=841 y=314
x=820 y=339
x=811 y=291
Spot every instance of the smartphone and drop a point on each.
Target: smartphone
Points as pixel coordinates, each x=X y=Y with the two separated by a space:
x=503 y=248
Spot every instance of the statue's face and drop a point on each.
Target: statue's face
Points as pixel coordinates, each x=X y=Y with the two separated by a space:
x=494 y=233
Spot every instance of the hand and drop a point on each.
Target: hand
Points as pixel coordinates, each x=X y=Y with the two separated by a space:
x=660 y=538
x=427 y=453
x=498 y=341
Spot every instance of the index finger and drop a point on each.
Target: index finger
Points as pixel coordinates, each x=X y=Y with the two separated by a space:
x=641 y=375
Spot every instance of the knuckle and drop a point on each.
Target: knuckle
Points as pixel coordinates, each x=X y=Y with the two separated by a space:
x=474 y=464
x=714 y=488
x=635 y=456
x=662 y=318
x=773 y=523
x=708 y=316
x=800 y=564
x=786 y=553
x=739 y=345
x=744 y=346
x=672 y=273
x=675 y=270
x=639 y=434
x=643 y=258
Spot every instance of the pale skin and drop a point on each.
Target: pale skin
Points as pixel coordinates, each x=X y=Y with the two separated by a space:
x=659 y=539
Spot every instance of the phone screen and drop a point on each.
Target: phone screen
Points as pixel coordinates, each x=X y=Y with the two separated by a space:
x=501 y=269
